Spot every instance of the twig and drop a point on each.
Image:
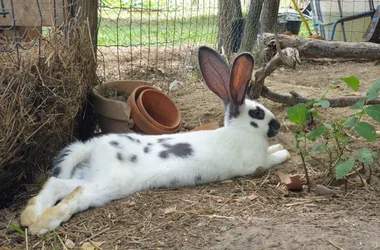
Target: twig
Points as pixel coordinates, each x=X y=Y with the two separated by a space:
x=217 y=216
x=306 y=173
x=266 y=178
x=93 y=236
x=298 y=203
x=334 y=102
x=92 y=45
x=369 y=175
x=334 y=244
x=26 y=239
x=60 y=240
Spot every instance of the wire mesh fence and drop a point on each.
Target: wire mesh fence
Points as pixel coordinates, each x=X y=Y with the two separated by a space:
x=24 y=24
x=147 y=38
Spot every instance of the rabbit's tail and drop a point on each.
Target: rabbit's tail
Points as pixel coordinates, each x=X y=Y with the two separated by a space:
x=70 y=157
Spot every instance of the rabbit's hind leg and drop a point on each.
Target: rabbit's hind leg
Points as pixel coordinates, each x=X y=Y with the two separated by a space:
x=53 y=190
x=91 y=194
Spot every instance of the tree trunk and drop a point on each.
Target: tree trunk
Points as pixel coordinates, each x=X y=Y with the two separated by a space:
x=314 y=48
x=225 y=27
x=269 y=16
x=89 y=11
x=237 y=9
x=251 y=27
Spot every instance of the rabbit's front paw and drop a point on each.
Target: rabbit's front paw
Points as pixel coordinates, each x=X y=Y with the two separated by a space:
x=278 y=157
x=274 y=148
x=282 y=155
x=29 y=215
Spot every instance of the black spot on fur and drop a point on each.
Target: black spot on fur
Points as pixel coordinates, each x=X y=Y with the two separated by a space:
x=132 y=139
x=164 y=154
x=198 y=179
x=182 y=150
x=61 y=156
x=254 y=124
x=163 y=140
x=115 y=144
x=233 y=110
x=133 y=158
x=274 y=127
x=56 y=171
x=120 y=157
x=257 y=113
x=146 y=149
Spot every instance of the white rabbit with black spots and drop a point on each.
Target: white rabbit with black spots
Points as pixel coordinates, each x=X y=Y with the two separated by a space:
x=95 y=172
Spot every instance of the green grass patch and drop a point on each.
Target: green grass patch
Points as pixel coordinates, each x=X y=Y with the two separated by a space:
x=157 y=31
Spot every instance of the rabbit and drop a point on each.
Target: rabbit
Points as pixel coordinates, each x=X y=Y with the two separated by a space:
x=114 y=166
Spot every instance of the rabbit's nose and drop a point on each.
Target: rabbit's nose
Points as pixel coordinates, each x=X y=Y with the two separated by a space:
x=274 y=127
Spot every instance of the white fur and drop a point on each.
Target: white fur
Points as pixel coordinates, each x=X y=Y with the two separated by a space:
x=237 y=149
x=92 y=173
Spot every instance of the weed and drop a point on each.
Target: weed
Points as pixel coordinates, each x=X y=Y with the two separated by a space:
x=332 y=138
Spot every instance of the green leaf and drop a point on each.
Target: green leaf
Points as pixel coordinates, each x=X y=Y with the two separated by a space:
x=373 y=91
x=365 y=156
x=366 y=130
x=323 y=103
x=17 y=229
x=373 y=112
x=358 y=105
x=313 y=135
x=350 y=122
x=298 y=113
x=343 y=168
x=351 y=81
x=318 y=147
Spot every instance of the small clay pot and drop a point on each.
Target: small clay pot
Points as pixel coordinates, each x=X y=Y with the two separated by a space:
x=208 y=126
x=159 y=110
x=114 y=115
x=142 y=124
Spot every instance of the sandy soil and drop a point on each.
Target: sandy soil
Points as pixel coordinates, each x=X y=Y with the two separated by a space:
x=219 y=215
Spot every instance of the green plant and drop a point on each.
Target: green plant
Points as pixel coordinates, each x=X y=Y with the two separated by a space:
x=331 y=139
x=17 y=229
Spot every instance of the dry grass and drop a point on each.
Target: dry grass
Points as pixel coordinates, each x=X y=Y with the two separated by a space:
x=41 y=95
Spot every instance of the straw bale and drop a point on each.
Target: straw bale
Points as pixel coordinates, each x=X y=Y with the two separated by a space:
x=43 y=89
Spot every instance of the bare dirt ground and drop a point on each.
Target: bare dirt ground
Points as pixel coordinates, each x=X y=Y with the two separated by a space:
x=252 y=212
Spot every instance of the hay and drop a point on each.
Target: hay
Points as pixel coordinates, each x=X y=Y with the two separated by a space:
x=41 y=97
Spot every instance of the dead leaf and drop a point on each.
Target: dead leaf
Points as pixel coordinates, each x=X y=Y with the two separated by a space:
x=252 y=197
x=92 y=245
x=169 y=210
x=292 y=182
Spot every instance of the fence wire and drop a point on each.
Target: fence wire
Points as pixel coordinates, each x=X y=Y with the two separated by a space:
x=147 y=38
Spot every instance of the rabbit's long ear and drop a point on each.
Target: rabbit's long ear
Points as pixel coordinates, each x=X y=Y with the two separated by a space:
x=215 y=72
x=240 y=76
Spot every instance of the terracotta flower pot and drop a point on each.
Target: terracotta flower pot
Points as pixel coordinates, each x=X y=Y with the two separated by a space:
x=159 y=110
x=143 y=123
x=114 y=115
x=208 y=126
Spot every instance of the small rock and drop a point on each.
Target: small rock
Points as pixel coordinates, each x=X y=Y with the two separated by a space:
x=175 y=85
x=324 y=191
x=69 y=244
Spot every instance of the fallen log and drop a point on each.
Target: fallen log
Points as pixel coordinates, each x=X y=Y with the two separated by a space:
x=314 y=48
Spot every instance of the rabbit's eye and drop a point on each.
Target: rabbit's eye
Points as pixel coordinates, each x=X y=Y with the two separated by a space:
x=257 y=113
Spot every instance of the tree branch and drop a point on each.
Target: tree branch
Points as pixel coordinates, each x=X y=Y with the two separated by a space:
x=314 y=48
